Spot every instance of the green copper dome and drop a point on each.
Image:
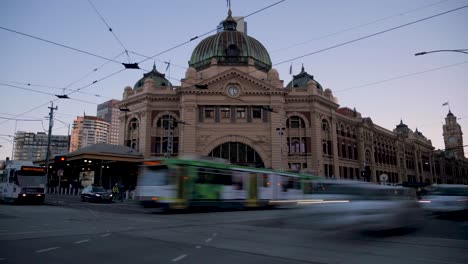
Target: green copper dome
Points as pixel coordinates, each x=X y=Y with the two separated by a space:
x=158 y=78
x=230 y=47
x=302 y=79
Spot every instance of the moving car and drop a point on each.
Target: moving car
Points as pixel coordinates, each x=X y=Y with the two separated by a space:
x=343 y=205
x=95 y=194
x=445 y=198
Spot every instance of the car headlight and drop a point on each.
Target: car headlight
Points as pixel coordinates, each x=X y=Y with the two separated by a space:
x=97 y=194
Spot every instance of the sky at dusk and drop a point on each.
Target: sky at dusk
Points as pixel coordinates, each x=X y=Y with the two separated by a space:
x=378 y=75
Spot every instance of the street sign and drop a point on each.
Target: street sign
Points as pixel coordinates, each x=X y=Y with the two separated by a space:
x=60 y=173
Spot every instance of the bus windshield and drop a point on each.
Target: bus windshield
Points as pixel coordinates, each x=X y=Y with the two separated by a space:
x=30 y=176
x=154 y=176
x=31 y=180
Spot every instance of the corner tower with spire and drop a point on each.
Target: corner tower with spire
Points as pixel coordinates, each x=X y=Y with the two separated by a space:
x=453 y=136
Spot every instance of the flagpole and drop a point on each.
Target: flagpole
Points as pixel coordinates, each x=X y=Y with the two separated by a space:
x=447 y=104
x=290 y=73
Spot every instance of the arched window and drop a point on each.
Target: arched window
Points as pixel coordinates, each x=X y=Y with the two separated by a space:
x=238 y=153
x=295 y=146
x=133 y=134
x=165 y=120
x=295 y=122
x=325 y=126
x=165 y=142
x=368 y=156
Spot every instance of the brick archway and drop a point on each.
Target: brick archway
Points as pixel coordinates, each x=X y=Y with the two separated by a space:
x=226 y=139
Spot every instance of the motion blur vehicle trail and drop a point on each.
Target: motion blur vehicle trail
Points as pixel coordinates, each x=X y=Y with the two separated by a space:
x=358 y=207
x=446 y=199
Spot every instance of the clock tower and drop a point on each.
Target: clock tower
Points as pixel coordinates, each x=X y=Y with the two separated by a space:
x=453 y=136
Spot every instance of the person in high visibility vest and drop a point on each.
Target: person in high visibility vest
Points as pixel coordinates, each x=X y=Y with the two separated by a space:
x=115 y=191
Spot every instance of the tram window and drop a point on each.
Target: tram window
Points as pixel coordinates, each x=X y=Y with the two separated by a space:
x=285 y=184
x=210 y=176
x=296 y=184
x=308 y=188
x=237 y=182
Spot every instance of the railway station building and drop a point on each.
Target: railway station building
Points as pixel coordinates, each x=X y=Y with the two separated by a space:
x=232 y=104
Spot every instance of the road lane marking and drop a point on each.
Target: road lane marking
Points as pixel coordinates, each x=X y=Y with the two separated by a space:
x=215 y=234
x=179 y=258
x=198 y=246
x=40 y=231
x=105 y=235
x=81 y=241
x=209 y=239
x=47 y=249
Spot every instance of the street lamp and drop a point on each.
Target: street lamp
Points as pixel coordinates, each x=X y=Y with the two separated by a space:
x=433 y=51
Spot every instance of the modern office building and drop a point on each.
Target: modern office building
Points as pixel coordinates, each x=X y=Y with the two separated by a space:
x=232 y=104
x=110 y=113
x=88 y=130
x=33 y=146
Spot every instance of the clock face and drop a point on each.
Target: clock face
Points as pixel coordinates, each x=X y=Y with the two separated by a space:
x=233 y=91
x=452 y=139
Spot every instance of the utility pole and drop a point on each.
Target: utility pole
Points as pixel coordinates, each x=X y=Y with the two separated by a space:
x=280 y=132
x=51 y=124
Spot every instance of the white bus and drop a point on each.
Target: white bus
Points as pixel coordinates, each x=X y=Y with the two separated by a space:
x=21 y=181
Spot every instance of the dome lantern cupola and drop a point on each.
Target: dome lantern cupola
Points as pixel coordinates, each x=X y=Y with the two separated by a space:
x=230 y=23
x=230 y=48
x=158 y=78
x=302 y=79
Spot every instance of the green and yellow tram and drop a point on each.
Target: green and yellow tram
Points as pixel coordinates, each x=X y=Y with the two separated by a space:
x=183 y=183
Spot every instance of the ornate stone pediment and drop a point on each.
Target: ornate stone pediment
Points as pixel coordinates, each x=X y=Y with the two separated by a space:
x=247 y=83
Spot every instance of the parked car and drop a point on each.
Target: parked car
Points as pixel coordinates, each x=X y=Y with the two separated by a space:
x=95 y=194
x=343 y=205
x=445 y=198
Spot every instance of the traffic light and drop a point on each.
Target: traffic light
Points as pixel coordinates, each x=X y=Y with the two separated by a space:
x=60 y=162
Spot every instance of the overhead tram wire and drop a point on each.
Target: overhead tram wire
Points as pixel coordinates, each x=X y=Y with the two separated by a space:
x=361 y=38
x=19 y=119
x=402 y=76
x=204 y=34
x=110 y=29
x=358 y=39
x=30 y=110
x=148 y=57
x=51 y=87
x=302 y=56
x=36 y=91
x=359 y=26
x=72 y=83
x=60 y=45
x=371 y=35
x=110 y=75
x=42 y=105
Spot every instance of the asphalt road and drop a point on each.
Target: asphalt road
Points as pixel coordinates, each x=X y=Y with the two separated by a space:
x=77 y=232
